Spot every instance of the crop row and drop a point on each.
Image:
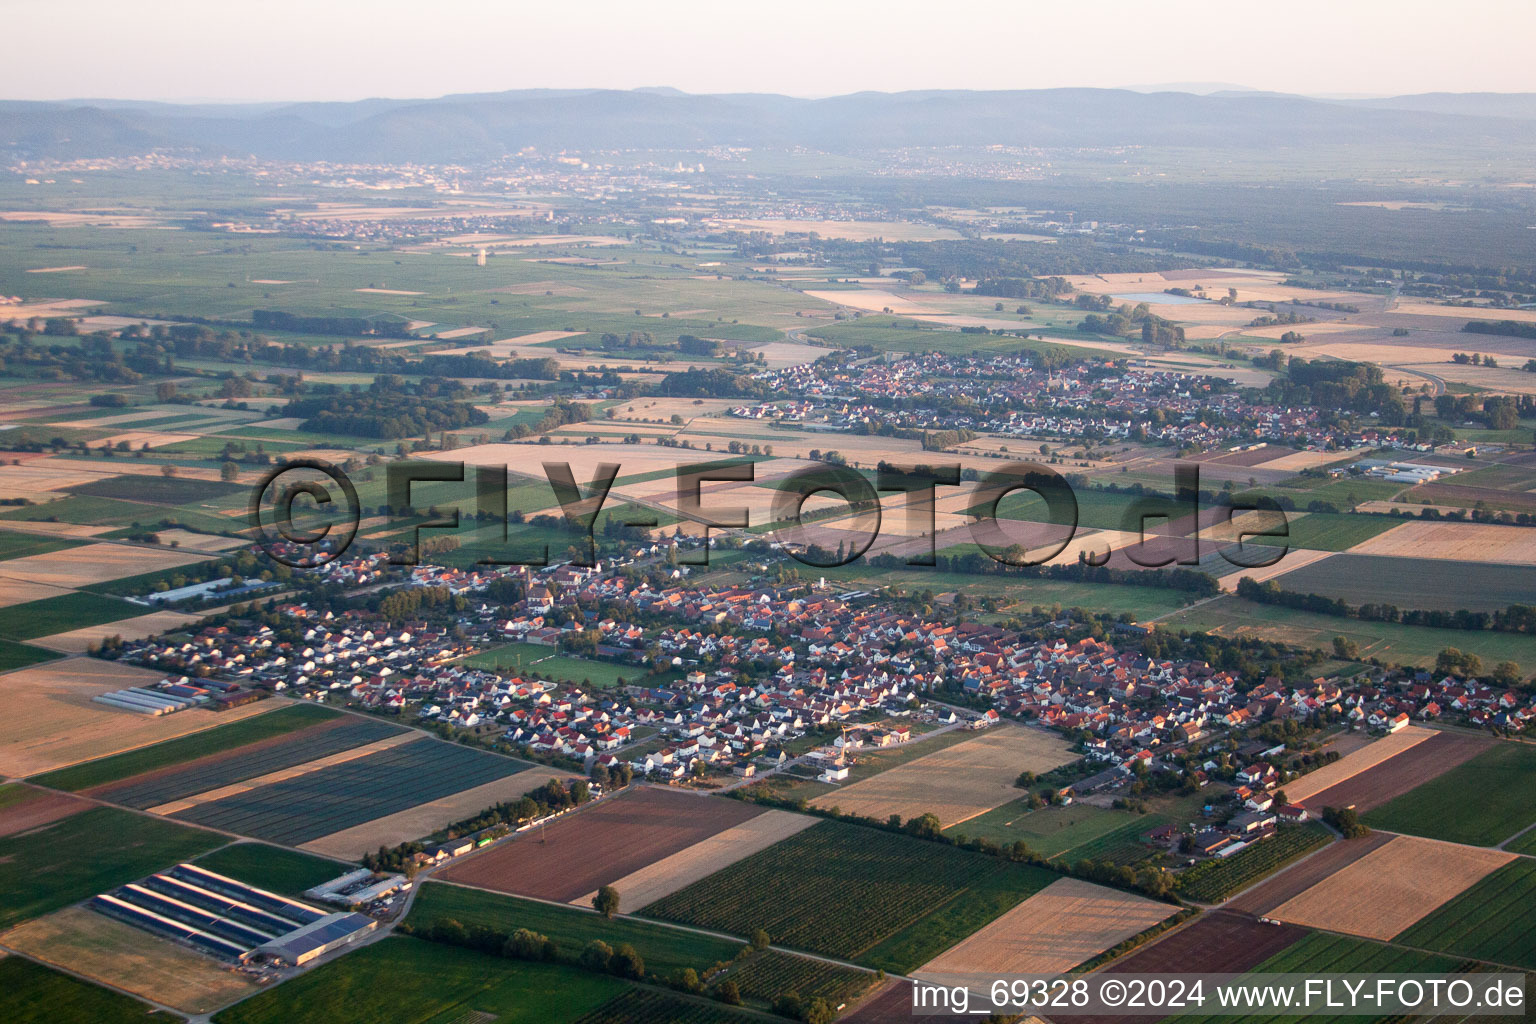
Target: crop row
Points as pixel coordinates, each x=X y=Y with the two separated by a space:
x=773 y=974
x=835 y=888
x=1215 y=880
x=1493 y=920
x=646 y=1006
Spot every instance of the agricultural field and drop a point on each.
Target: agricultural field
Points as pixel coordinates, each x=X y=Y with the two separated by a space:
x=771 y=974
x=1501 y=778
x=337 y=797
x=1493 y=920
x=543 y=662
x=1363 y=758
x=23 y=808
x=249 y=761
x=1219 y=941
x=408 y=981
x=1440 y=584
x=660 y=878
x=14 y=544
x=1051 y=831
x=1297 y=879
x=54 y=723
x=664 y=950
x=61 y=614
x=1317 y=952
x=18 y=655
x=649 y=1006
x=883 y=899
x=1215 y=880
x=1392 y=642
x=1403 y=771
x=273 y=868
x=1469 y=542
x=1065 y=924
x=957 y=783
x=597 y=845
x=1334 y=531
x=48 y=868
x=114 y=953
x=278 y=721
x=95 y=564
x=1391 y=887
x=33 y=994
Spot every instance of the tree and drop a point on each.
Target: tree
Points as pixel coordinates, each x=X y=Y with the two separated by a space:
x=228 y=471
x=759 y=939
x=167 y=470
x=606 y=902
x=728 y=993
x=626 y=963
x=819 y=1012
x=1345 y=648
x=596 y=955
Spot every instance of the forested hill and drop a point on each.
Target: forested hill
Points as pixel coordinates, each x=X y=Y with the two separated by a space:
x=485 y=126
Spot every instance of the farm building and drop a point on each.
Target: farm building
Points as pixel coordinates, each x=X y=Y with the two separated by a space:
x=226 y=918
x=331 y=932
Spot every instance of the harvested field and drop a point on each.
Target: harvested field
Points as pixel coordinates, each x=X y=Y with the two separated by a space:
x=958 y=782
x=426 y=818
x=598 y=845
x=52 y=721
x=1303 y=875
x=641 y=888
x=893 y=1004
x=1472 y=542
x=1301 y=790
x=17 y=592
x=1413 y=767
x=1387 y=890
x=78 y=641
x=1298 y=461
x=128 y=958
x=94 y=563
x=315 y=804
x=251 y=761
x=1295 y=558
x=23 y=808
x=1056 y=929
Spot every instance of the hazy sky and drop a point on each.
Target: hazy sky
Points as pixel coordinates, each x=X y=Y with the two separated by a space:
x=350 y=49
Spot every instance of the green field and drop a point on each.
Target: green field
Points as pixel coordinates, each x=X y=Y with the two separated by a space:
x=20 y=545
x=87 y=511
x=33 y=994
x=71 y=859
x=63 y=613
x=884 y=899
x=771 y=974
x=408 y=981
x=186 y=748
x=159 y=490
x=1051 y=830
x=1495 y=920
x=1481 y=802
x=1336 y=531
x=1392 y=642
x=1524 y=843
x=289 y=872
x=648 y=1006
x=17 y=655
x=1320 y=952
x=548 y=663
x=1439 y=584
x=664 y=950
x=1215 y=880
